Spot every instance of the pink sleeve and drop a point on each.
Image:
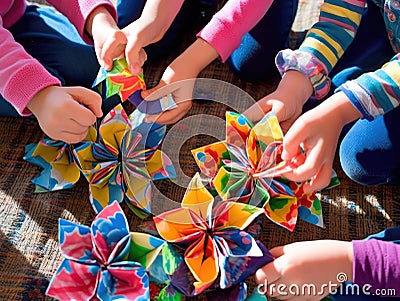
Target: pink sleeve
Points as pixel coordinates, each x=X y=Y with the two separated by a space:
x=21 y=76
x=16 y=65
x=77 y=12
x=227 y=27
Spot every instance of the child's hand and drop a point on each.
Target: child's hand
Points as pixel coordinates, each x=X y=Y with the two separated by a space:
x=313 y=268
x=138 y=35
x=182 y=94
x=109 y=41
x=65 y=113
x=316 y=134
x=156 y=18
x=179 y=79
x=286 y=101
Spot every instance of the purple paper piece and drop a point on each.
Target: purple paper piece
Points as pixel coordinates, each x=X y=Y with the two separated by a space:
x=148 y=107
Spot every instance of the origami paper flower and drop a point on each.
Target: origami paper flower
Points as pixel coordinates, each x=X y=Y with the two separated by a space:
x=214 y=240
x=119 y=80
x=247 y=167
x=119 y=165
x=60 y=170
x=105 y=261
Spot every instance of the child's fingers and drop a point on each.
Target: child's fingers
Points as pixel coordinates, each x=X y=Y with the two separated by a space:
x=291 y=144
x=268 y=274
x=135 y=57
x=89 y=99
x=311 y=167
x=170 y=116
x=113 y=48
x=142 y=57
x=71 y=138
x=320 y=181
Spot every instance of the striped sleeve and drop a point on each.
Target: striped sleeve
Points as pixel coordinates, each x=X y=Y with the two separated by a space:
x=375 y=93
x=325 y=43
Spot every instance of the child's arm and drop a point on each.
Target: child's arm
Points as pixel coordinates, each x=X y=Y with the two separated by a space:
x=317 y=131
x=309 y=270
x=324 y=44
x=79 y=13
x=21 y=76
x=375 y=93
x=96 y=24
x=109 y=41
x=219 y=38
x=157 y=16
x=30 y=88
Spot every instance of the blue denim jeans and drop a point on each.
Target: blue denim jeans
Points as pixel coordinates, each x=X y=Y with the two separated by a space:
x=51 y=39
x=391 y=234
x=369 y=151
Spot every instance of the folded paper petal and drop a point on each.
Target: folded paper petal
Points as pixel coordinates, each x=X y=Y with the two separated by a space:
x=209 y=158
x=74 y=281
x=60 y=170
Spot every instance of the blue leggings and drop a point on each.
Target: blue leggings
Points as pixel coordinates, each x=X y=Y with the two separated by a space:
x=391 y=234
x=51 y=39
x=369 y=151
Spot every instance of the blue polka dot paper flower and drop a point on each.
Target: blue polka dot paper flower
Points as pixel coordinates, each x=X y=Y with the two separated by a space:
x=104 y=261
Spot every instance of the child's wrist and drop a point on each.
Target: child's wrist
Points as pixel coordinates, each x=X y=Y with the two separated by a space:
x=198 y=56
x=99 y=17
x=298 y=84
x=341 y=108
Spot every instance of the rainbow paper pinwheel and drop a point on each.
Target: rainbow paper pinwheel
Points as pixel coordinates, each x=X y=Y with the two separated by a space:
x=105 y=261
x=60 y=170
x=119 y=165
x=218 y=252
x=247 y=167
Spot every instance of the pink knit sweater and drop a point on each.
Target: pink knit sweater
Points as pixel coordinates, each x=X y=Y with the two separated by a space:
x=22 y=76
x=227 y=27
